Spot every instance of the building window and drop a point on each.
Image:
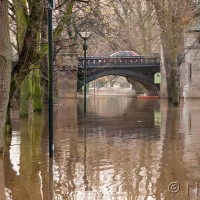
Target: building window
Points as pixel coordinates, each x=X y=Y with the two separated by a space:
x=190 y=72
x=198 y=40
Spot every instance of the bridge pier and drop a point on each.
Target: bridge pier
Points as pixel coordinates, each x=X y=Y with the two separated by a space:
x=66 y=68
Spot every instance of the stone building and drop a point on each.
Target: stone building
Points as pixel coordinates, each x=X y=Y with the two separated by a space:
x=190 y=69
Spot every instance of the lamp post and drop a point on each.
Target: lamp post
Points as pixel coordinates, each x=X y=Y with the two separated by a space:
x=85 y=36
x=50 y=41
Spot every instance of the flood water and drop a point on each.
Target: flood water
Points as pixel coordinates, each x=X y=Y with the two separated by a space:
x=122 y=149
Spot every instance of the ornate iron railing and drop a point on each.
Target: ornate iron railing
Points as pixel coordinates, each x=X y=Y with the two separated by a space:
x=102 y=61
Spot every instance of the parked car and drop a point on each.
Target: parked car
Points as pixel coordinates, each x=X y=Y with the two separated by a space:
x=124 y=54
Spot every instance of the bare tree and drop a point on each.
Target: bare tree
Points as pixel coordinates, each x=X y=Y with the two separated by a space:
x=130 y=26
x=173 y=16
x=28 y=18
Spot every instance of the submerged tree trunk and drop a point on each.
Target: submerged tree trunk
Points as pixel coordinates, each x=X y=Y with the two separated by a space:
x=172 y=80
x=5 y=67
x=174 y=87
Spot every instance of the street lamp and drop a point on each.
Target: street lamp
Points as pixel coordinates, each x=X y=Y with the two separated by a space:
x=85 y=36
x=50 y=78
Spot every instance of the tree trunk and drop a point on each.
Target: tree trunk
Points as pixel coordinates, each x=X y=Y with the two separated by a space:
x=175 y=87
x=170 y=15
x=169 y=89
x=24 y=97
x=44 y=62
x=8 y=128
x=5 y=67
x=36 y=92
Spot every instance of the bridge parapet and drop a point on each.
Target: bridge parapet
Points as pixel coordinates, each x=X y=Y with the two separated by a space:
x=102 y=61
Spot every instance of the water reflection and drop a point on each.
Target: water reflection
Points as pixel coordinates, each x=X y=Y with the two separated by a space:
x=123 y=149
x=15 y=151
x=22 y=161
x=2 y=178
x=190 y=125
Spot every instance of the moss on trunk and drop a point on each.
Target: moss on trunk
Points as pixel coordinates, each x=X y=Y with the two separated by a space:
x=24 y=98
x=36 y=92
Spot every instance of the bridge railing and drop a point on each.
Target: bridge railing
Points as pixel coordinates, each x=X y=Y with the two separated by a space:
x=102 y=61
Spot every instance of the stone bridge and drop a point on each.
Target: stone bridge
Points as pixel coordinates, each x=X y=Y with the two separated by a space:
x=69 y=72
x=136 y=69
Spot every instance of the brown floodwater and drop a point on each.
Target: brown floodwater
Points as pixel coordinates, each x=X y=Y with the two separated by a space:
x=122 y=149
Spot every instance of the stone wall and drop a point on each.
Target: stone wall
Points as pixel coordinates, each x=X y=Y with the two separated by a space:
x=66 y=67
x=190 y=69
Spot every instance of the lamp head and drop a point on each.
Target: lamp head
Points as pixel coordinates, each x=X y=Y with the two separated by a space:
x=85 y=35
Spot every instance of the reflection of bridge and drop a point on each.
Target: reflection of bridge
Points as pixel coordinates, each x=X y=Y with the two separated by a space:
x=138 y=69
x=117 y=113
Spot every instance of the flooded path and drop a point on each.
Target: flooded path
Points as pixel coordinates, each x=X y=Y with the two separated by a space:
x=123 y=149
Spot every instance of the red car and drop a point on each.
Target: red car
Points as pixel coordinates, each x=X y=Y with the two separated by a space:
x=124 y=54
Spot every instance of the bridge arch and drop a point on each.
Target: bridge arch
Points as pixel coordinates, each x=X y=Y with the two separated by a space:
x=144 y=80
